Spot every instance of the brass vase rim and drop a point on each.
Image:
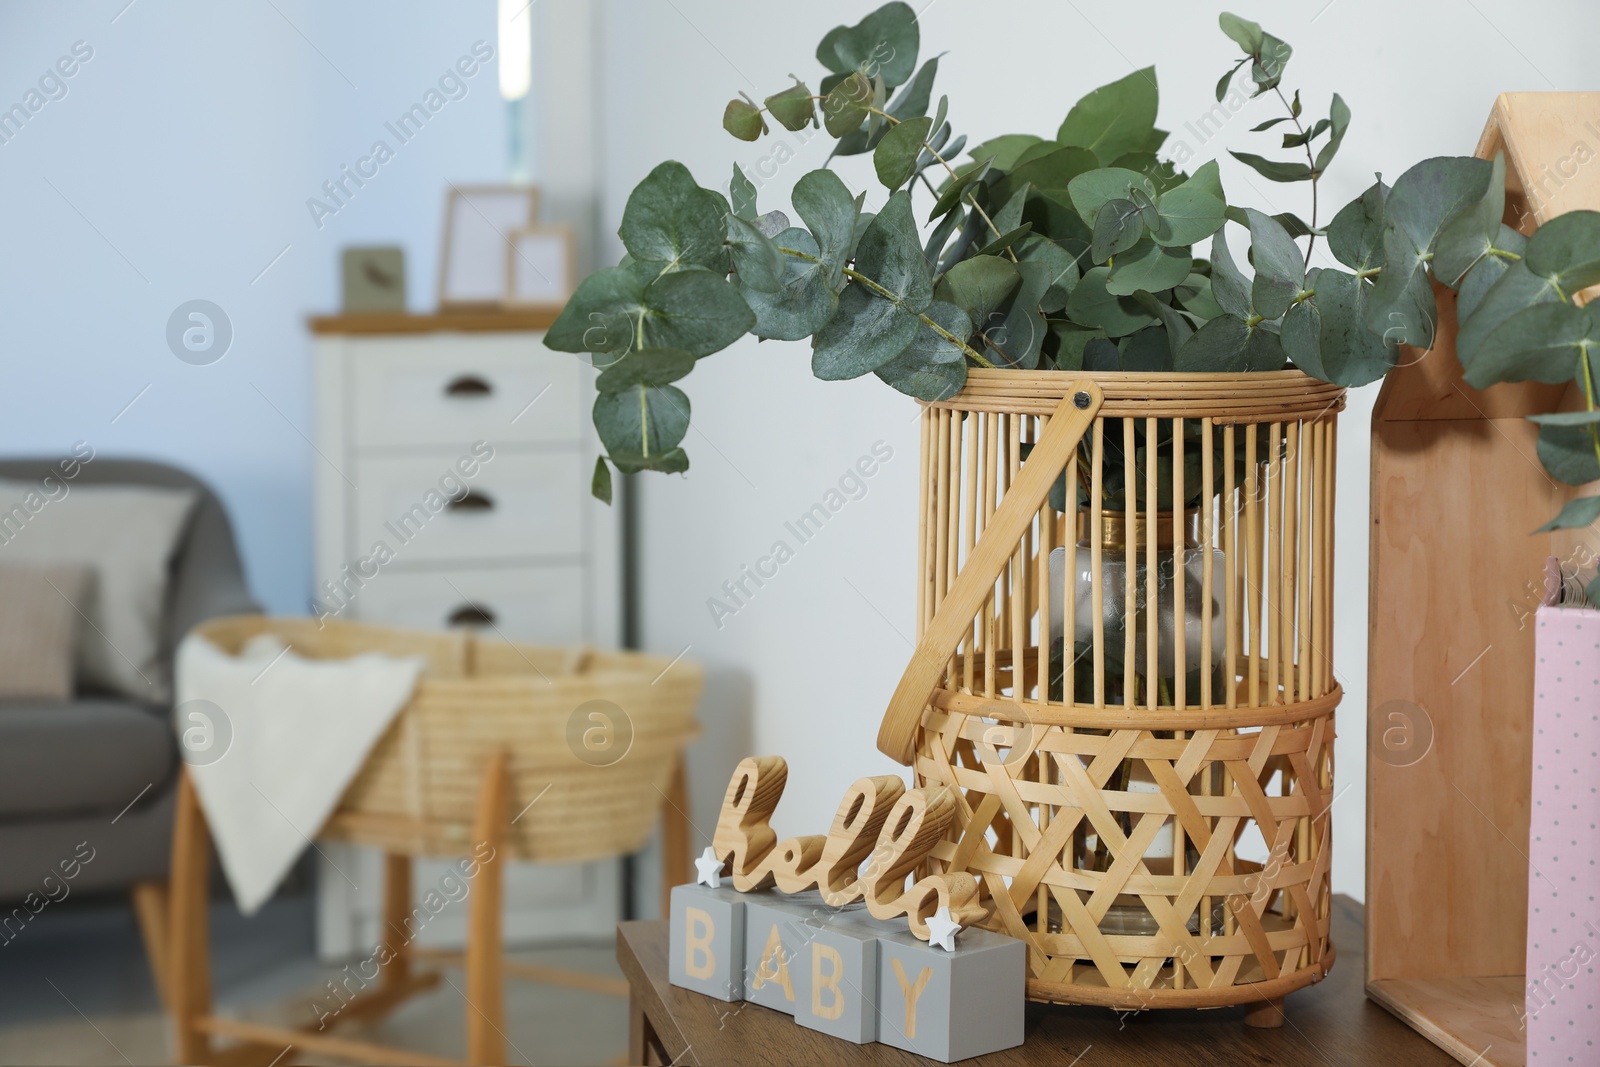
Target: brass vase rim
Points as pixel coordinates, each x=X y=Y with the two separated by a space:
x=1113 y=529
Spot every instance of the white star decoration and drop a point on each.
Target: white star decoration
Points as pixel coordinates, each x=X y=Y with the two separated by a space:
x=710 y=869
x=942 y=930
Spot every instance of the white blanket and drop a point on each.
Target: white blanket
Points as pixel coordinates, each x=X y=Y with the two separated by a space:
x=274 y=741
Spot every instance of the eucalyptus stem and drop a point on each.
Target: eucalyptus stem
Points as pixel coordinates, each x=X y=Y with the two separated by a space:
x=1311 y=163
x=889 y=295
x=1588 y=399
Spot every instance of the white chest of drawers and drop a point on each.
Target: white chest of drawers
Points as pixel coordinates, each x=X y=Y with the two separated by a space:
x=452 y=488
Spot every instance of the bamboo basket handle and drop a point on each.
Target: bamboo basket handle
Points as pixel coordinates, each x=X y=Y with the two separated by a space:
x=1071 y=419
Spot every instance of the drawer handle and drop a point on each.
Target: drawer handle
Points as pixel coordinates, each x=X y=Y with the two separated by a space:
x=474 y=500
x=471 y=615
x=468 y=385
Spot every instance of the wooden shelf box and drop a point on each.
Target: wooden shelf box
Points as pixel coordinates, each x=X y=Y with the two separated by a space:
x=1455 y=579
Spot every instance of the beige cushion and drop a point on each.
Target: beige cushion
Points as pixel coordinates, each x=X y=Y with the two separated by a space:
x=126 y=535
x=39 y=623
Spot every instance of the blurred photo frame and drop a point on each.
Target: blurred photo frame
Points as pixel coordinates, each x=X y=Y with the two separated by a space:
x=478 y=223
x=541 y=266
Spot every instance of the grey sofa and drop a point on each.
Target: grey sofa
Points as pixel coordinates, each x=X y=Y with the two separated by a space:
x=102 y=770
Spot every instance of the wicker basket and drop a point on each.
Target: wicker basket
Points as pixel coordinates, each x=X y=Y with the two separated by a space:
x=418 y=792
x=1108 y=768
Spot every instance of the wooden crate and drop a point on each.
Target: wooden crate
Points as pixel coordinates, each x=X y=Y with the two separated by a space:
x=1455 y=578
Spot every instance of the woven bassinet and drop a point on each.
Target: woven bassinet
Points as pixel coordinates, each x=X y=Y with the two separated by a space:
x=418 y=792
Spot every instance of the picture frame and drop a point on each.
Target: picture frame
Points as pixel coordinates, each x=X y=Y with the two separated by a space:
x=541 y=266
x=478 y=221
x=373 y=280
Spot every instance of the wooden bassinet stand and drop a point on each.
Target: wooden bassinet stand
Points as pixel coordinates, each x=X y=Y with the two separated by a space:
x=471 y=691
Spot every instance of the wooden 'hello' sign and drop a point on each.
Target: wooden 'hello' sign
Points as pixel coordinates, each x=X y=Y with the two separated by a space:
x=891 y=828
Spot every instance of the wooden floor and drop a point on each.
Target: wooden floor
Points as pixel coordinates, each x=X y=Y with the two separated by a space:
x=88 y=959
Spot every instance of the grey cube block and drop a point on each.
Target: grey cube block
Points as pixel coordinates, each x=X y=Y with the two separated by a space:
x=951 y=1005
x=705 y=942
x=836 y=978
x=772 y=943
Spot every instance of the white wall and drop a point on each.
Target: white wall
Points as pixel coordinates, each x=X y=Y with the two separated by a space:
x=807 y=667
x=177 y=167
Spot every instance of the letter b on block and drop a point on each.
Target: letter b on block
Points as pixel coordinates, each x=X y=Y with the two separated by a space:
x=706 y=941
x=837 y=975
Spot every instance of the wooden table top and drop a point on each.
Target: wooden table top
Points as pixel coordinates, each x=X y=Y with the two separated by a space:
x=1331 y=1023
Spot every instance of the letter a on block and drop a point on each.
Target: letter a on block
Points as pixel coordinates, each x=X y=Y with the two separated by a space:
x=912 y=991
x=699 y=961
x=826 y=983
x=774 y=966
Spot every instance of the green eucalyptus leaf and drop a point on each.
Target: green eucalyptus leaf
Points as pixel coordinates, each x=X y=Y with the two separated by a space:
x=1049 y=172
x=1273 y=170
x=743 y=119
x=803 y=302
x=1489 y=270
x=1280 y=268
x=1161 y=173
x=1546 y=342
x=1326 y=334
x=1222 y=82
x=1021 y=334
x=1427 y=197
x=1568 y=418
x=934 y=247
x=1356 y=233
x=756 y=260
x=979 y=286
x=912 y=99
x=1117 y=228
x=1092 y=304
x=1061 y=264
x=1569 y=452
x=895 y=158
x=794 y=108
x=1002 y=152
x=880 y=100
x=1218 y=346
x=1006 y=240
x=672 y=461
x=1566 y=251
x=932 y=367
x=1148 y=266
x=1071 y=341
x=1469 y=237
x=845 y=107
x=951 y=195
x=1010 y=217
x=1189 y=213
x=1338 y=122
x=669 y=219
x=600 y=482
x=1101 y=354
x=645 y=366
x=1576 y=514
x=1262 y=127
x=1229 y=287
x=871 y=328
x=1092 y=190
x=1177 y=327
x=695 y=310
x=1194 y=296
x=1146 y=351
x=602 y=314
x=742 y=194
x=1517 y=289
x=1246 y=34
x=641 y=423
x=1270 y=59
x=1114 y=119
x=882 y=44
x=825 y=205
x=1402 y=307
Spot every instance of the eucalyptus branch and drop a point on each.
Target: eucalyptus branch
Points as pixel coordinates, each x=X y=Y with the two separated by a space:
x=1311 y=164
